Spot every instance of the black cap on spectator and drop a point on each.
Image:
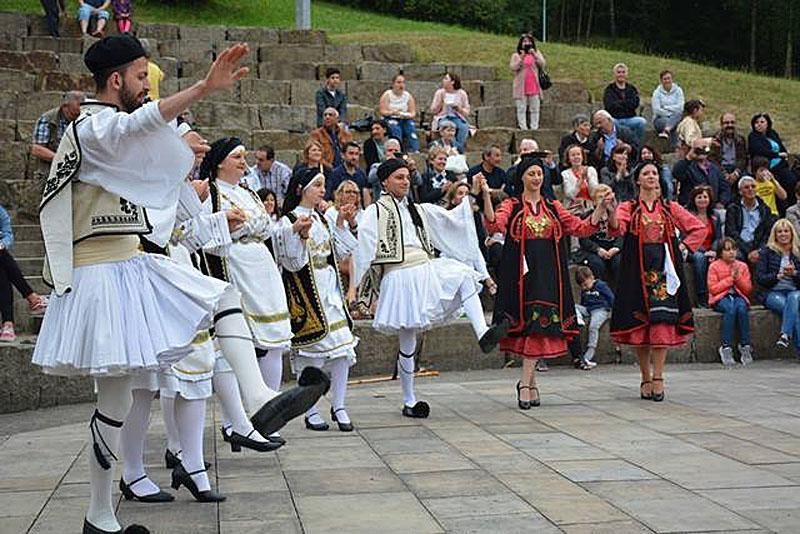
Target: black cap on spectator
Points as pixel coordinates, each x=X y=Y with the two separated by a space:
x=390 y=166
x=112 y=51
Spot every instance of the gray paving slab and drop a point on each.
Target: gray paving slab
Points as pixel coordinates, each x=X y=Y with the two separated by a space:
x=592 y=459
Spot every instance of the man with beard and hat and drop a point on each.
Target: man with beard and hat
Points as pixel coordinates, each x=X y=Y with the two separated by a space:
x=116 y=311
x=395 y=263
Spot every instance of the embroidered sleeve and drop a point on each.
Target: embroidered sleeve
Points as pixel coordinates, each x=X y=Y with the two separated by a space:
x=693 y=229
x=367 y=247
x=501 y=215
x=574 y=225
x=291 y=252
x=208 y=231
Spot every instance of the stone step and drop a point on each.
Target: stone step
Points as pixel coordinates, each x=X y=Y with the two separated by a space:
x=30 y=265
x=28 y=248
x=27 y=232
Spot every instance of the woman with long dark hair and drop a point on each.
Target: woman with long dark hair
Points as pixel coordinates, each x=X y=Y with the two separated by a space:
x=655 y=313
x=701 y=204
x=534 y=295
x=764 y=141
x=618 y=174
x=525 y=64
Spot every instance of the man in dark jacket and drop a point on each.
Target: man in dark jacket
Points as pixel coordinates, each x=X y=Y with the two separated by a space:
x=748 y=221
x=621 y=99
x=729 y=150
x=329 y=96
x=609 y=133
x=699 y=169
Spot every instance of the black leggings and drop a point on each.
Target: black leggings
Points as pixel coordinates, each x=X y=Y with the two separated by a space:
x=51 y=16
x=10 y=274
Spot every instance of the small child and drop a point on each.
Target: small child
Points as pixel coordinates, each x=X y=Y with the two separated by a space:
x=597 y=299
x=123 y=13
x=767 y=187
x=729 y=288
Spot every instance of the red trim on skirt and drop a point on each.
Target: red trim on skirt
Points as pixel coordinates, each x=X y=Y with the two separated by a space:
x=535 y=346
x=658 y=335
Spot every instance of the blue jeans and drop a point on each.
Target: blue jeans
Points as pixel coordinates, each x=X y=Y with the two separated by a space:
x=660 y=123
x=786 y=303
x=636 y=124
x=667 y=182
x=462 y=130
x=406 y=131
x=734 y=310
x=85 y=12
x=700 y=265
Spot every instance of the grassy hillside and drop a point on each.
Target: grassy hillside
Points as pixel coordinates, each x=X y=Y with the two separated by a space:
x=721 y=89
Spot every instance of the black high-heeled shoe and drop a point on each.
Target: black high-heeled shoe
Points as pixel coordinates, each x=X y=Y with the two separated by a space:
x=127 y=492
x=276 y=439
x=537 y=401
x=172 y=460
x=225 y=436
x=343 y=427
x=641 y=394
x=89 y=528
x=238 y=441
x=523 y=405
x=658 y=397
x=317 y=427
x=180 y=476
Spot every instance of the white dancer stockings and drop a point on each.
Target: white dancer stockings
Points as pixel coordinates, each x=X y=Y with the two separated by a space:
x=191 y=416
x=133 y=437
x=339 y=370
x=271 y=365
x=405 y=364
x=233 y=414
x=170 y=425
x=474 y=311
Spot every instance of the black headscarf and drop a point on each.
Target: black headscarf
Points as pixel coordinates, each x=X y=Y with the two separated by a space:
x=299 y=181
x=219 y=151
x=524 y=164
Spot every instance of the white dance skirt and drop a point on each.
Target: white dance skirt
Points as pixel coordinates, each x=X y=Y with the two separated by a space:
x=423 y=296
x=125 y=317
x=191 y=376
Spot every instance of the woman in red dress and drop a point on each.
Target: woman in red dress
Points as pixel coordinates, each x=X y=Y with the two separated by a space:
x=654 y=314
x=534 y=299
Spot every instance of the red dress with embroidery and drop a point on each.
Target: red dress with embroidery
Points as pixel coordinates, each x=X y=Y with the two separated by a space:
x=534 y=292
x=652 y=228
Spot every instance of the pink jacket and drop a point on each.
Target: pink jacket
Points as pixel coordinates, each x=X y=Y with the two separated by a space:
x=517 y=67
x=720 y=281
x=440 y=110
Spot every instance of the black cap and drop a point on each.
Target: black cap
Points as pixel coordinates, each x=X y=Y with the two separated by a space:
x=112 y=51
x=390 y=166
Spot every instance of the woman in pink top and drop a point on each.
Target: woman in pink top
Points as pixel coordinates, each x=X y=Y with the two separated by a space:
x=451 y=102
x=729 y=287
x=525 y=64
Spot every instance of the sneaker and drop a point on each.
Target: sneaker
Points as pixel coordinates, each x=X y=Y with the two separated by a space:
x=783 y=341
x=726 y=355
x=541 y=366
x=7 y=334
x=590 y=364
x=663 y=135
x=746 y=353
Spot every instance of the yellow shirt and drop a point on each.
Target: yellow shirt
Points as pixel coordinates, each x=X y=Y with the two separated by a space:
x=154 y=76
x=765 y=190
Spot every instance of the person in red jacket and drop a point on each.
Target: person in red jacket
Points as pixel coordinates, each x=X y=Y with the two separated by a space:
x=729 y=287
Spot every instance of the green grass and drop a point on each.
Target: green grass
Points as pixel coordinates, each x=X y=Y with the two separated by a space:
x=722 y=90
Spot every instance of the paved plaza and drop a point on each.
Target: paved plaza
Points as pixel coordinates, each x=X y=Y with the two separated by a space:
x=722 y=454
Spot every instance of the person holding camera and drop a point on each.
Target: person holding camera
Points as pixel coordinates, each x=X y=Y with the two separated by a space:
x=525 y=64
x=698 y=169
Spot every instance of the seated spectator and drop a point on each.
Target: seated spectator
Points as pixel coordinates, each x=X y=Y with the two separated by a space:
x=452 y=103
x=667 y=103
x=437 y=181
x=649 y=154
x=332 y=137
x=698 y=169
x=525 y=64
x=778 y=271
x=621 y=100
x=607 y=135
x=312 y=159
x=349 y=170
x=87 y=9
x=375 y=146
x=347 y=193
x=688 y=130
x=398 y=108
x=701 y=201
x=50 y=129
x=793 y=212
x=268 y=173
x=330 y=96
x=619 y=175
x=270 y=201
x=52 y=10
x=764 y=141
x=767 y=187
x=529 y=147
x=154 y=73
x=489 y=168
x=729 y=150
x=597 y=300
x=10 y=275
x=391 y=148
x=729 y=287
x=579 y=181
x=748 y=221
x=581 y=130
x=447 y=138
x=123 y=14
x=600 y=251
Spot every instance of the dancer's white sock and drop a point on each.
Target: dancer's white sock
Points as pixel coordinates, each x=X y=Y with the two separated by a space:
x=191 y=418
x=170 y=425
x=474 y=312
x=132 y=439
x=339 y=370
x=227 y=389
x=271 y=366
x=114 y=402
x=236 y=342
x=405 y=365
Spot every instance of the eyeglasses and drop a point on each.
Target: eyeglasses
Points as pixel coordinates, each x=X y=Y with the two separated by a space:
x=748 y=186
